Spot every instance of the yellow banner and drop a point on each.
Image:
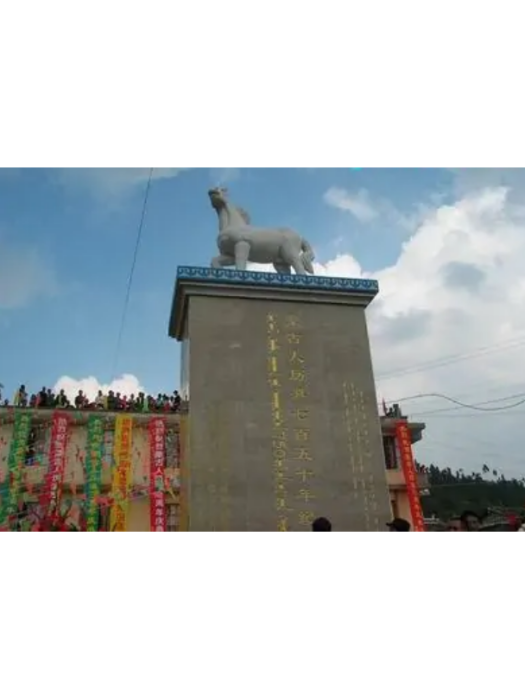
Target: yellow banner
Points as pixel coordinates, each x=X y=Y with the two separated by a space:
x=122 y=476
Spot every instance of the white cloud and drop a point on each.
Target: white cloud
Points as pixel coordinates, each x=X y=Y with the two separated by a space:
x=367 y=209
x=458 y=285
x=127 y=384
x=24 y=275
x=224 y=176
x=110 y=183
x=358 y=204
x=468 y=180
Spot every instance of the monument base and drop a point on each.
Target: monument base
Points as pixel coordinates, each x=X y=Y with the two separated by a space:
x=283 y=420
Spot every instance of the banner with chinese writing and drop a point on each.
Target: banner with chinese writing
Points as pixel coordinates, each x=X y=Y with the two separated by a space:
x=10 y=490
x=183 y=473
x=407 y=462
x=122 y=474
x=95 y=447
x=54 y=479
x=157 y=444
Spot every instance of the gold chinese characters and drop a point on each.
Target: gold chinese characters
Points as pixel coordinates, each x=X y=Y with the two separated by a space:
x=279 y=430
x=358 y=449
x=288 y=381
x=300 y=427
x=363 y=441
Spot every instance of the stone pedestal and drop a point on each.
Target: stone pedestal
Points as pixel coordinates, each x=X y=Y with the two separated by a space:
x=283 y=422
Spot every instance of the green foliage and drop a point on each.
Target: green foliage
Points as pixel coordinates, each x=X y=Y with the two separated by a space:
x=483 y=491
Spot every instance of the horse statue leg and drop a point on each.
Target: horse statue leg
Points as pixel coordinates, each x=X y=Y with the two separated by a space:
x=292 y=256
x=242 y=255
x=223 y=261
x=282 y=268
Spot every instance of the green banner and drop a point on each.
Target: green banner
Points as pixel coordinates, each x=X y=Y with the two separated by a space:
x=95 y=445
x=16 y=462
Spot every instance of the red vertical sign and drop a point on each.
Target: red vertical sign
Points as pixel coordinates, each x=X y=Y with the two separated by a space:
x=407 y=462
x=157 y=442
x=54 y=480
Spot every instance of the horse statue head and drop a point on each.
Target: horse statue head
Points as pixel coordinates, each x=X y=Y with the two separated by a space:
x=219 y=201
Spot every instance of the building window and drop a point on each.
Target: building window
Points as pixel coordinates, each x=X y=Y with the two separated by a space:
x=389 y=448
x=172 y=519
x=395 y=509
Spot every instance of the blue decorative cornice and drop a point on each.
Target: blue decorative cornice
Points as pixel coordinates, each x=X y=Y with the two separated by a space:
x=272 y=279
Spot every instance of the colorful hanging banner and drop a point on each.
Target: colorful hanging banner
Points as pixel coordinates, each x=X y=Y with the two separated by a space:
x=157 y=445
x=122 y=474
x=16 y=461
x=54 y=479
x=409 y=470
x=183 y=524
x=95 y=448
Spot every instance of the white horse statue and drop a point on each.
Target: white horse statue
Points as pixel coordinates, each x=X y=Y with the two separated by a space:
x=239 y=242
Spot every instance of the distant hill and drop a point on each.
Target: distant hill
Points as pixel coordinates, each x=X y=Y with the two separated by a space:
x=484 y=492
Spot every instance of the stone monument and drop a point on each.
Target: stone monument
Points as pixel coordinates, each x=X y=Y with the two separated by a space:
x=283 y=424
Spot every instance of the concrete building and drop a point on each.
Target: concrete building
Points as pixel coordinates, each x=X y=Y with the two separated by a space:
x=74 y=482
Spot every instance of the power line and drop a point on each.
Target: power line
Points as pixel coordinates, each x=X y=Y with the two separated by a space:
x=487 y=387
x=446 y=360
x=474 y=407
x=501 y=414
x=433 y=412
x=132 y=272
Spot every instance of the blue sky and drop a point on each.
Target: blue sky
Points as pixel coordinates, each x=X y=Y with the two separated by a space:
x=448 y=248
x=83 y=232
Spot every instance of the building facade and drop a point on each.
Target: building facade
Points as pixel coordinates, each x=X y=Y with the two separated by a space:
x=106 y=471
x=406 y=484
x=83 y=470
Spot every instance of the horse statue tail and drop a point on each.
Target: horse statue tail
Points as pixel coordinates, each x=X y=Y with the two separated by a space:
x=308 y=256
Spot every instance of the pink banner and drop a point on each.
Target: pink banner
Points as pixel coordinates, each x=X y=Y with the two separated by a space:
x=54 y=480
x=157 y=442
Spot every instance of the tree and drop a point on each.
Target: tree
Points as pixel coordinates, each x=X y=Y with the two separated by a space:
x=451 y=493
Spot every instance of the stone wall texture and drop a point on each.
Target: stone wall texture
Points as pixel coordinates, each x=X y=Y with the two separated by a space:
x=283 y=423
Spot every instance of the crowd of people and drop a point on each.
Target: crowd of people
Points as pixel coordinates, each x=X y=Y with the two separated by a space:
x=468 y=521
x=110 y=401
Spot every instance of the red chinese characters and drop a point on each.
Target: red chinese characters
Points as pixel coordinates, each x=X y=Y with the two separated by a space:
x=409 y=471
x=157 y=440
x=54 y=480
x=123 y=445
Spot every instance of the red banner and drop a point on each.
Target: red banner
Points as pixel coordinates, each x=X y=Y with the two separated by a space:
x=407 y=462
x=54 y=480
x=157 y=443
